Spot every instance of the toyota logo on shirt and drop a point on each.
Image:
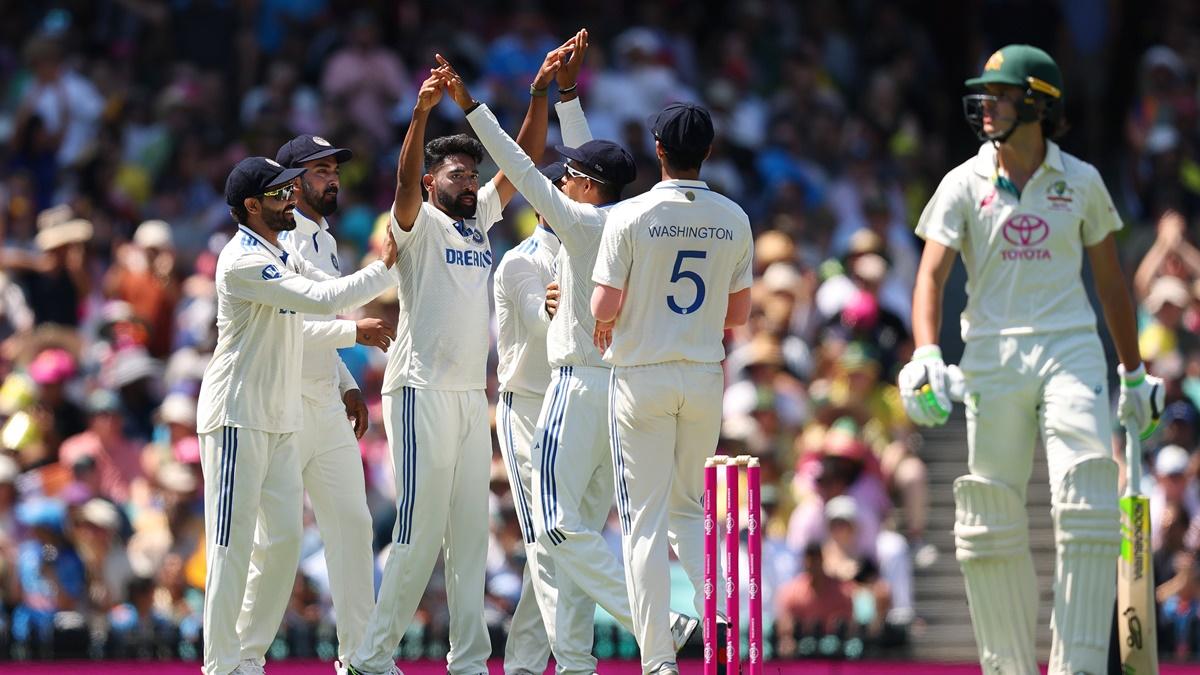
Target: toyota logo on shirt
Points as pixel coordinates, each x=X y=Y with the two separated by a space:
x=1025 y=230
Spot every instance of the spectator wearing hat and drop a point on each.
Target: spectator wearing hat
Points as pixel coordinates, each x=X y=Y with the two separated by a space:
x=843 y=560
x=51 y=370
x=766 y=392
x=57 y=281
x=1166 y=302
x=116 y=457
x=1170 y=488
x=96 y=529
x=143 y=275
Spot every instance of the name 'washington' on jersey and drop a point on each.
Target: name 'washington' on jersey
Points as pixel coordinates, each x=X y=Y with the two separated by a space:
x=677 y=251
x=253 y=378
x=442 y=273
x=1023 y=254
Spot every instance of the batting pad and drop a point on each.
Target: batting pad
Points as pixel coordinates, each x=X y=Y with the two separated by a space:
x=991 y=536
x=1088 y=537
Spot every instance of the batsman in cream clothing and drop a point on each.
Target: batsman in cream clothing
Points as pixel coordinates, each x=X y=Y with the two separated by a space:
x=1022 y=213
x=672 y=273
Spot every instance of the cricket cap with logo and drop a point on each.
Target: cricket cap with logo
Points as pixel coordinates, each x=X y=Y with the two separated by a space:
x=306 y=148
x=255 y=175
x=604 y=161
x=1022 y=66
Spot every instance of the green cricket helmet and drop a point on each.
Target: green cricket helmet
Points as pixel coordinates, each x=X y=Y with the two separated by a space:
x=1022 y=66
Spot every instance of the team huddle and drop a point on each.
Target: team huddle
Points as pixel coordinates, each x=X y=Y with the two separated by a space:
x=611 y=319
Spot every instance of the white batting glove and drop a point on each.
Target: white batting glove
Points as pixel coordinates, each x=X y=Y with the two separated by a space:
x=924 y=388
x=1142 y=400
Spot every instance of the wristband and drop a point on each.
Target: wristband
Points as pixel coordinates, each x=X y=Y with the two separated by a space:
x=534 y=91
x=471 y=108
x=1133 y=378
x=927 y=352
x=569 y=89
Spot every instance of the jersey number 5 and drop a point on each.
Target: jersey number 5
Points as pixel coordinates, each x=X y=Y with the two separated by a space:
x=678 y=274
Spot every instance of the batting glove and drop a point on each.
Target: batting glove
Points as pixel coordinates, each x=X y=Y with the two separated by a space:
x=924 y=389
x=1142 y=400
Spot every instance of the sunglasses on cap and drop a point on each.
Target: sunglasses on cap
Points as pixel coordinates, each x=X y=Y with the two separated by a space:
x=281 y=193
x=579 y=174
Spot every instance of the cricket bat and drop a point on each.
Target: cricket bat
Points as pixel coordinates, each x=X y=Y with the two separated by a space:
x=1136 y=612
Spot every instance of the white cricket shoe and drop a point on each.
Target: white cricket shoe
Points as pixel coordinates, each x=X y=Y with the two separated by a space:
x=249 y=667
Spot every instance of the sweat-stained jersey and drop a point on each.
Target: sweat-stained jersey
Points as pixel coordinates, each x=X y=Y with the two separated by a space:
x=677 y=251
x=442 y=274
x=1023 y=253
x=520 y=290
x=253 y=379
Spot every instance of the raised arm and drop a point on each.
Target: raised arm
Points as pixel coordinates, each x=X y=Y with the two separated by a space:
x=411 y=165
x=532 y=136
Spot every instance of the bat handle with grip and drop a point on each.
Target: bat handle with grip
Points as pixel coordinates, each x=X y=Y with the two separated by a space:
x=1133 y=461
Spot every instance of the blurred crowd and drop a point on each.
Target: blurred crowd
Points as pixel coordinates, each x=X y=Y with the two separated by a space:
x=121 y=119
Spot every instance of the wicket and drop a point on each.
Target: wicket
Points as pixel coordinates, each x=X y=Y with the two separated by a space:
x=733 y=634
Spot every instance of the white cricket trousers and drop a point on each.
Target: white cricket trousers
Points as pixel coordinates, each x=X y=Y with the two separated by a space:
x=572 y=612
x=250 y=476
x=441 y=446
x=665 y=420
x=331 y=469
x=1019 y=387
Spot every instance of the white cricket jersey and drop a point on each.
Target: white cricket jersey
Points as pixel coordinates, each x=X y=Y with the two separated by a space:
x=253 y=379
x=520 y=290
x=578 y=226
x=677 y=252
x=1023 y=254
x=324 y=373
x=442 y=273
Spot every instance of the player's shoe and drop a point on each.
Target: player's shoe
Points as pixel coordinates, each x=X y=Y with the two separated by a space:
x=682 y=627
x=249 y=667
x=351 y=670
x=666 y=669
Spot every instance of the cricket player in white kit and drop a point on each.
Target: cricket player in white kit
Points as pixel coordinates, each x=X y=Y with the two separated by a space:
x=572 y=460
x=330 y=462
x=1022 y=213
x=250 y=408
x=522 y=304
x=435 y=407
x=673 y=272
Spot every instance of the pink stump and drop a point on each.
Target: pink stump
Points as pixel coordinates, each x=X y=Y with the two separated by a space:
x=710 y=568
x=733 y=632
x=754 y=554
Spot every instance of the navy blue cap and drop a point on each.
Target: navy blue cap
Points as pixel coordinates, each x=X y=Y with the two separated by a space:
x=683 y=127
x=306 y=148
x=554 y=172
x=255 y=175
x=604 y=161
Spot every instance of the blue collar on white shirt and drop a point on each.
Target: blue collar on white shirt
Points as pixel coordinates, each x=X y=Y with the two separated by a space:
x=279 y=253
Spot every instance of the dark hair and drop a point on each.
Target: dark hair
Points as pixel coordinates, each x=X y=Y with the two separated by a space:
x=437 y=150
x=240 y=214
x=680 y=160
x=813 y=549
x=609 y=192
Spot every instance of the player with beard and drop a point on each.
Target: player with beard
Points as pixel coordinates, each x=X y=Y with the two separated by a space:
x=330 y=462
x=250 y=408
x=435 y=406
